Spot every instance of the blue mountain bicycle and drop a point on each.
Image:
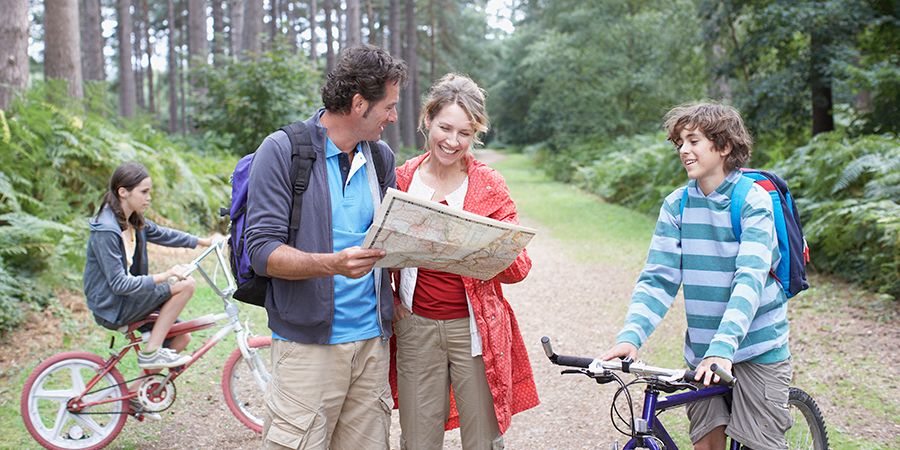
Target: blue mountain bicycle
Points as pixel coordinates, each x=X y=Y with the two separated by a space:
x=647 y=431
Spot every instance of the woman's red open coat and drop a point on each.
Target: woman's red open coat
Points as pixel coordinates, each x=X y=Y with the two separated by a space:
x=506 y=361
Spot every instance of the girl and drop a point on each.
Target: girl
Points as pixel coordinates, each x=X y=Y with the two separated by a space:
x=117 y=286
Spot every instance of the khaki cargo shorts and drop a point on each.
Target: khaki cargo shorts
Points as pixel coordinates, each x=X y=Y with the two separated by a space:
x=759 y=415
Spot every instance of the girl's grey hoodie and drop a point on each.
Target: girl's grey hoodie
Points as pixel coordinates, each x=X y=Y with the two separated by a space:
x=107 y=281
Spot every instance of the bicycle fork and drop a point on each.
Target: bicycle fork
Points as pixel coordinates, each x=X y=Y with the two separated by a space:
x=649 y=433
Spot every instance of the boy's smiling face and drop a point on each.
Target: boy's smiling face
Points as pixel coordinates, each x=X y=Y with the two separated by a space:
x=701 y=159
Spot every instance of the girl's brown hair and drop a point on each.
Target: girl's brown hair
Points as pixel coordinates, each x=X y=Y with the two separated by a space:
x=127 y=175
x=720 y=123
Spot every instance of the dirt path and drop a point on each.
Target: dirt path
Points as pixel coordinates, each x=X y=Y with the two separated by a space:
x=581 y=307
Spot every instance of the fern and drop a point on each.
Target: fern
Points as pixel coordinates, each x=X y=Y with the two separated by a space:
x=55 y=166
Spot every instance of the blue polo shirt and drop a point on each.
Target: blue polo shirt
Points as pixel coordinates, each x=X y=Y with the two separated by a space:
x=355 y=304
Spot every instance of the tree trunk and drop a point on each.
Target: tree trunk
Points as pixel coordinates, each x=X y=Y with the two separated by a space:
x=392 y=131
x=411 y=93
x=370 y=19
x=290 y=18
x=341 y=27
x=329 y=37
x=198 y=46
x=62 y=49
x=126 y=75
x=236 y=10
x=253 y=27
x=137 y=20
x=218 y=44
x=820 y=84
x=433 y=42
x=275 y=14
x=313 y=41
x=14 y=51
x=92 y=64
x=173 y=71
x=182 y=62
x=354 y=34
x=151 y=96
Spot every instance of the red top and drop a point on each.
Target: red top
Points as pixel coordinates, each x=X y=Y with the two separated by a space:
x=440 y=295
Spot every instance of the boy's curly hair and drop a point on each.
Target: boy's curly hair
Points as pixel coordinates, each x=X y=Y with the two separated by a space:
x=364 y=70
x=720 y=123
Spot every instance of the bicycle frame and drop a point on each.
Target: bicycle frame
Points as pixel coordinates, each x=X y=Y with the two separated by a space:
x=654 y=429
x=230 y=315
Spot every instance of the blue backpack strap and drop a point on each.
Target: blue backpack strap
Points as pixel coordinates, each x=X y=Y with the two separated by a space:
x=684 y=199
x=738 y=197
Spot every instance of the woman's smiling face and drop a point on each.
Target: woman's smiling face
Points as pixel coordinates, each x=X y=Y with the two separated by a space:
x=450 y=135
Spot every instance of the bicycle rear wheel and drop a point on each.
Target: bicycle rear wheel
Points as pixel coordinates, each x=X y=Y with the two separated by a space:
x=244 y=394
x=809 y=430
x=45 y=398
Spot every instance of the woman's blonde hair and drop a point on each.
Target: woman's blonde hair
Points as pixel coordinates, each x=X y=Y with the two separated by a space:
x=461 y=90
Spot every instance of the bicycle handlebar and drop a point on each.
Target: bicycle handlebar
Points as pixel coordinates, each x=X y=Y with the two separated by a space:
x=596 y=366
x=217 y=248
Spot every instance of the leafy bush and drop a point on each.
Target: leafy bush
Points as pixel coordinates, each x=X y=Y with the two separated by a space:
x=847 y=191
x=54 y=166
x=247 y=100
x=637 y=172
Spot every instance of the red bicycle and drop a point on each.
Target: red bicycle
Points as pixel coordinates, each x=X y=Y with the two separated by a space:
x=79 y=400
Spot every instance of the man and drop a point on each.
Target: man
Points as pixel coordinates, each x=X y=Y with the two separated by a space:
x=329 y=312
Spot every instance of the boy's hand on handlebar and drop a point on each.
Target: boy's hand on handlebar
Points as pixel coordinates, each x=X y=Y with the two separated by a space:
x=708 y=376
x=620 y=350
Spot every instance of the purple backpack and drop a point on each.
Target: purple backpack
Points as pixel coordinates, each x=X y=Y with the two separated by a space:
x=251 y=287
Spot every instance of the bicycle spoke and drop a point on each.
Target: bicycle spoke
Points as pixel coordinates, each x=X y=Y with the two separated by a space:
x=60 y=421
x=58 y=395
x=77 y=380
x=89 y=423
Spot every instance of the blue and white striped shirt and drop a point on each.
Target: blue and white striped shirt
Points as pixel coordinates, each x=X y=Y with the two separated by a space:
x=735 y=308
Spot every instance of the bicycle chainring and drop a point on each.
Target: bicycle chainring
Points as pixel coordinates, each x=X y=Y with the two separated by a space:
x=156 y=393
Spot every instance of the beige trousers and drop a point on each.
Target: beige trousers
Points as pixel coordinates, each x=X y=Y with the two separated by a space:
x=328 y=396
x=432 y=355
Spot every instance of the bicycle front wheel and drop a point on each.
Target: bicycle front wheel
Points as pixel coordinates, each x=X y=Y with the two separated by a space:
x=45 y=402
x=243 y=383
x=809 y=430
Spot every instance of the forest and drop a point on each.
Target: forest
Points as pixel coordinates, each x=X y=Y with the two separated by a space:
x=579 y=87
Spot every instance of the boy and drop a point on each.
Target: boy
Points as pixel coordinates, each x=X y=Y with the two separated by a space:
x=736 y=310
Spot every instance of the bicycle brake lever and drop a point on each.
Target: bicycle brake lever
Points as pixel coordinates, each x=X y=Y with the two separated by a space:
x=570 y=371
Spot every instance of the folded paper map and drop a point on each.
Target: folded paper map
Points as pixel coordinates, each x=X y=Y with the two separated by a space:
x=421 y=233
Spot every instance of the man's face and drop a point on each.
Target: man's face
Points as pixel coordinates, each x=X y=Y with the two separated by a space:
x=379 y=114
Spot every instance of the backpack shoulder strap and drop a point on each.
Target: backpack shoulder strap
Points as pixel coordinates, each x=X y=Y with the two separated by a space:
x=738 y=197
x=380 y=170
x=302 y=158
x=684 y=199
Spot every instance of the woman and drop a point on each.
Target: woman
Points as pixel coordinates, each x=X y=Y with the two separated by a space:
x=453 y=330
x=117 y=286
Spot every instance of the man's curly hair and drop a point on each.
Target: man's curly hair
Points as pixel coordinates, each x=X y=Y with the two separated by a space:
x=364 y=70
